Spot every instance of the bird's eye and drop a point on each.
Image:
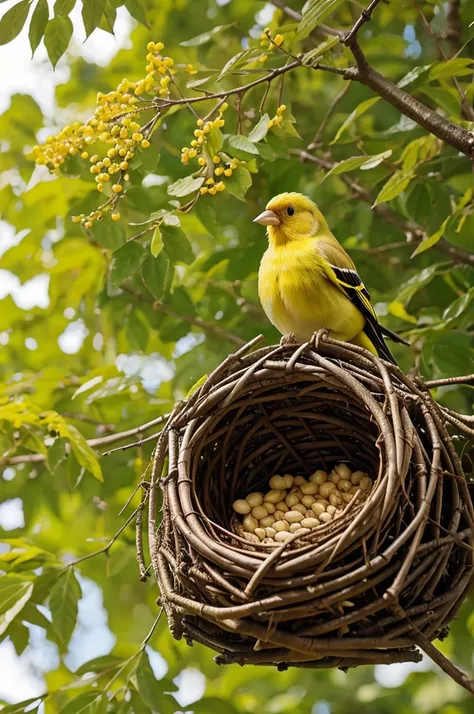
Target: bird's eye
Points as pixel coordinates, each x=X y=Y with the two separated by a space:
x=290 y=211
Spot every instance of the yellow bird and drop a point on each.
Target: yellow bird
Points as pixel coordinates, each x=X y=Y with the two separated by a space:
x=307 y=281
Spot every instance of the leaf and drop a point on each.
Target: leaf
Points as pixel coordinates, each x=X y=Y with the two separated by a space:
x=214 y=141
x=314 y=12
x=62 y=8
x=206 y=213
x=63 y=600
x=20 y=707
x=154 y=272
x=413 y=75
x=137 y=11
x=88 y=703
x=14 y=594
x=177 y=245
x=92 y=12
x=185 y=186
x=99 y=664
x=56 y=37
x=260 y=130
x=397 y=309
x=452 y=353
x=239 y=183
x=110 y=15
x=38 y=23
x=456 y=67
x=394 y=186
x=242 y=143
x=149 y=689
x=432 y=240
x=205 y=37
x=156 y=245
x=355 y=162
x=126 y=261
x=232 y=62
x=309 y=57
x=83 y=452
x=13 y=20
x=196 y=385
x=358 y=111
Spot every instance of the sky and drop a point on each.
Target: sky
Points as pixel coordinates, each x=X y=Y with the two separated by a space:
x=22 y=677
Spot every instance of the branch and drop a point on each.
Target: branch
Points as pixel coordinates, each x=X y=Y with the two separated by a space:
x=160 y=306
x=447 y=131
x=454 y=25
x=99 y=441
x=410 y=228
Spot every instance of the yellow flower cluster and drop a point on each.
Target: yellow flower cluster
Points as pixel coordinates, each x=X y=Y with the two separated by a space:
x=268 y=43
x=277 y=119
x=201 y=133
x=115 y=122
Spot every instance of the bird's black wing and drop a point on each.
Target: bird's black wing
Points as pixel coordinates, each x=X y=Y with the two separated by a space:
x=358 y=294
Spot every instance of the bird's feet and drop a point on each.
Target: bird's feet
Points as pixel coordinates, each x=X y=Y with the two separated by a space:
x=319 y=336
x=288 y=340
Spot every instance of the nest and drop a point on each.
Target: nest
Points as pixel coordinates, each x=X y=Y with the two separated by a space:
x=375 y=585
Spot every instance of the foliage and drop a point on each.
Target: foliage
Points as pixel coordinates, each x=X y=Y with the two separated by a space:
x=157 y=296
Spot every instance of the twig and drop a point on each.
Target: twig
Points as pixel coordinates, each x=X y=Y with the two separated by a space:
x=99 y=441
x=160 y=306
x=332 y=105
x=365 y=16
x=466 y=379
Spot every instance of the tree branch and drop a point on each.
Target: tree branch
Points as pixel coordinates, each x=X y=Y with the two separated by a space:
x=447 y=131
x=99 y=441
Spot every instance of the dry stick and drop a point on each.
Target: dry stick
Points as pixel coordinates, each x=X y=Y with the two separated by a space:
x=466 y=379
x=457 y=255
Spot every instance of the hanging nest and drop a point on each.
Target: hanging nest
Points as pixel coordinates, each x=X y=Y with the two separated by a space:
x=372 y=586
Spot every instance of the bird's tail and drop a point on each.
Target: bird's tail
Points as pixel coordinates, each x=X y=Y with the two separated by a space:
x=374 y=333
x=393 y=336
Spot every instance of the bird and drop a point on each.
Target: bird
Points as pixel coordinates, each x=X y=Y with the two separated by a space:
x=307 y=281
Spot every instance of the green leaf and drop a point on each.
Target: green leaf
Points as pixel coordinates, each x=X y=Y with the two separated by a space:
x=205 y=37
x=358 y=111
x=99 y=664
x=309 y=57
x=92 y=12
x=355 y=162
x=413 y=75
x=154 y=272
x=13 y=20
x=126 y=261
x=156 y=242
x=214 y=141
x=56 y=37
x=63 y=600
x=397 y=309
x=432 y=240
x=230 y=64
x=260 y=130
x=242 y=143
x=452 y=354
x=394 y=186
x=14 y=594
x=109 y=234
x=137 y=11
x=83 y=452
x=206 y=213
x=315 y=12
x=20 y=707
x=177 y=245
x=196 y=385
x=62 y=8
x=38 y=23
x=456 y=67
x=185 y=186
x=239 y=183
x=110 y=15
x=151 y=691
x=88 y=703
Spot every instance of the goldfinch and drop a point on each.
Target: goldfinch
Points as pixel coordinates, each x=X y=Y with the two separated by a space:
x=307 y=281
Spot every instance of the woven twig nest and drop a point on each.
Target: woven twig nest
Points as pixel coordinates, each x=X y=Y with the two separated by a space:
x=384 y=577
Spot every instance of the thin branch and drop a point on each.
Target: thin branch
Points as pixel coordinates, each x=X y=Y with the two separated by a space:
x=99 y=441
x=365 y=16
x=332 y=105
x=454 y=25
x=466 y=379
x=209 y=327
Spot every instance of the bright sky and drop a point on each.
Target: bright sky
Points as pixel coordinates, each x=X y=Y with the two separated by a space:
x=21 y=677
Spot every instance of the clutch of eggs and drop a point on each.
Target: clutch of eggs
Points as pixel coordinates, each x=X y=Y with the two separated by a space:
x=298 y=505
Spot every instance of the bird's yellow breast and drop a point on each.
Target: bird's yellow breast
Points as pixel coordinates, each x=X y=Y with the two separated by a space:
x=298 y=297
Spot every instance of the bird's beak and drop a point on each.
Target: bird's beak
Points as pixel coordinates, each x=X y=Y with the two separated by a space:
x=267 y=218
